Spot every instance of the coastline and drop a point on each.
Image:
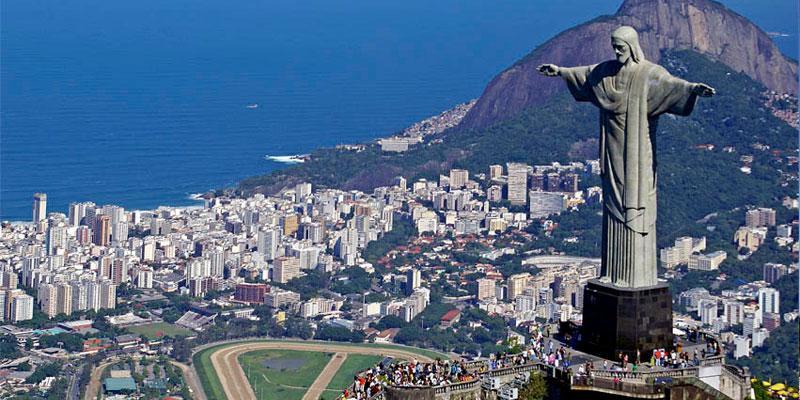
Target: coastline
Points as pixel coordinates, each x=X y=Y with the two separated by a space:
x=429 y=126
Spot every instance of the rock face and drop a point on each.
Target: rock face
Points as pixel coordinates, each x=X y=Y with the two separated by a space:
x=705 y=26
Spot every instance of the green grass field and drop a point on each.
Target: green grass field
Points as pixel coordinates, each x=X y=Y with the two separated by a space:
x=158 y=330
x=353 y=364
x=282 y=382
x=213 y=388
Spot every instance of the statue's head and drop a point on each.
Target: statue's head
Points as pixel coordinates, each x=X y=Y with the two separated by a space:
x=625 y=42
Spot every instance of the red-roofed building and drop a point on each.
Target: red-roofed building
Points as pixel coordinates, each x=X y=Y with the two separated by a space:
x=450 y=318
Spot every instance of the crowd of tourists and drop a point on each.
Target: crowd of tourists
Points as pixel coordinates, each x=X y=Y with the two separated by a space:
x=538 y=349
x=414 y=373
x=444 y=372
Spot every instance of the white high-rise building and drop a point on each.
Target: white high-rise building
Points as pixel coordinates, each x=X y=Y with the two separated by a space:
x=21 y=308
x=39 y=207
x=216 y=259
x=77 y=212
x=108 y=294
x=93 y=296
x=733 y=312
x=144 y=278
x=302 y=190
x=80 y=296
x=64 y=298
x=308 y=256
x=3 y=306
x=769 y=301
x=56 y=238
x=517 y=183
x=48 y=299
x=148 y=249
x=268 y=241
x=708 y=311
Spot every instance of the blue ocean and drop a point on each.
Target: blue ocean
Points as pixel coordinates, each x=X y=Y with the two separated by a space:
x=142 y=103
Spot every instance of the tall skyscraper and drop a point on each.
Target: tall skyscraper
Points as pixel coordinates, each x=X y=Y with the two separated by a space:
x=3 y=298
x=93 y=295
x=268 y=241
x=413 y=280
x=63 y=298
x=216 y=258
x=80 y=293
x=56 y=238
x=39 y=207
x=108 y=294
x=48 y=299
x=769 y=301
x=119 y=271
x=102 y=230
x=517 y=183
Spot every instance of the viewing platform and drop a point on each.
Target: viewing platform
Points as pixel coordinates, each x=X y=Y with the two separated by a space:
x=709 y=379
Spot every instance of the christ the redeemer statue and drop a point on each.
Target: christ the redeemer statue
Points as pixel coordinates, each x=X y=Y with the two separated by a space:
x=631 y=94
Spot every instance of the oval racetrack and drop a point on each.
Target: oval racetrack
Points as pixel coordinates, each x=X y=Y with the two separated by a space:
x=235 y=383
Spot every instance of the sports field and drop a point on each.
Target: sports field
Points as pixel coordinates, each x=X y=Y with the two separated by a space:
x=158 y=330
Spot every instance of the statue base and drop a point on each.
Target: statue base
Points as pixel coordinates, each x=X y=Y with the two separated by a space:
x=622 y=320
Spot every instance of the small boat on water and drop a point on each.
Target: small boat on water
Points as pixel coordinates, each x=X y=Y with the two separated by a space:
x=252 y=106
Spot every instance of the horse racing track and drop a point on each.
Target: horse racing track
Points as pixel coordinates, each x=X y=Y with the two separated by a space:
x=282 y=369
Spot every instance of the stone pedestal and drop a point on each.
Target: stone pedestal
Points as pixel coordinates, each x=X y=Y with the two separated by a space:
x=409 y=393
x=623 y=320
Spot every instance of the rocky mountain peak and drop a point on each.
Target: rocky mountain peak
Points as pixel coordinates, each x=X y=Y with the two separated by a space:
x=704 y=26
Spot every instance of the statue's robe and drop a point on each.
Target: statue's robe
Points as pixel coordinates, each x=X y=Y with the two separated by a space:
x=630 y=99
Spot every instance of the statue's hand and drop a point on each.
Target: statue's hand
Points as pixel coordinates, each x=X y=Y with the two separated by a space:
x=703 y=90
x=548 y=69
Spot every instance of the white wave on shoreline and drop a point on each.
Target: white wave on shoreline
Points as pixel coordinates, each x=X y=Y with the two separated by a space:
x=196 y=197
x=295 y=159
